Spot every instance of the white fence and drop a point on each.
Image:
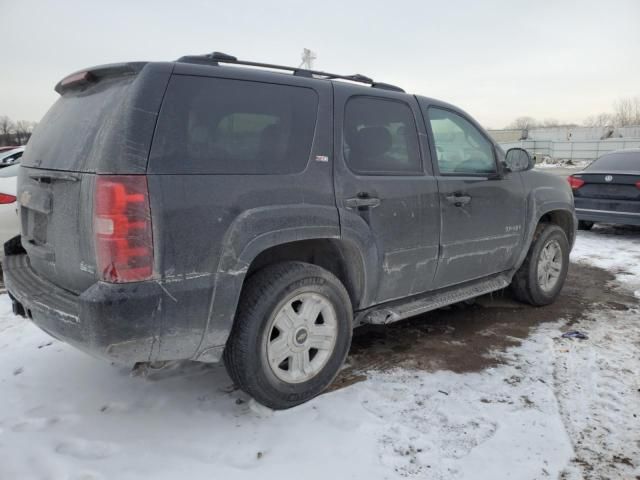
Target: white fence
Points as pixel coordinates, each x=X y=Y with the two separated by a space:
x=578 y=134
x=569 y=134
x=578 y=150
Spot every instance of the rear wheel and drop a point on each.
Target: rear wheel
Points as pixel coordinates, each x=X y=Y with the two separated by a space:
x=541 y=277
x=291 y=334
x=584 y=225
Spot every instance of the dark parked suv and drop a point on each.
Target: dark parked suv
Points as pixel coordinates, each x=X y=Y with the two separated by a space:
x=204 y=210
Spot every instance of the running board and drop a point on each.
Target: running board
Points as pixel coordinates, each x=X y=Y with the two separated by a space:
x=400 y=309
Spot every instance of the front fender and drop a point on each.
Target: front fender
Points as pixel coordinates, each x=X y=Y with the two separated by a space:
x=546 y=194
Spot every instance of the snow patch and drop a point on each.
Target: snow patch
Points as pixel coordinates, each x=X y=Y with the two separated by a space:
x=555 y=407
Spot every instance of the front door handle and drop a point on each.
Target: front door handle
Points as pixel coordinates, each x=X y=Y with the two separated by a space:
x=362 y=202
x=458 y=199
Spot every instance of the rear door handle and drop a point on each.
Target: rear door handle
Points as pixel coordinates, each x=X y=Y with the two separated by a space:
x=362 y=202
x=458 y=199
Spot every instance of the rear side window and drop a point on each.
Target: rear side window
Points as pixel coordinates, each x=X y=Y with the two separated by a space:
x=380 y=137
x=220 y=126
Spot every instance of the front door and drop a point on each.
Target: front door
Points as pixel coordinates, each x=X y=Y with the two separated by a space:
x=385 y=197
x=483 y=209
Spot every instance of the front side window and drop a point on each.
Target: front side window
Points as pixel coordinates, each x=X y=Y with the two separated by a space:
x=460 y=147
x=380 y=137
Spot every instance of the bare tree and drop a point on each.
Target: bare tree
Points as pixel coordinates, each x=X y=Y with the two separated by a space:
x=523 y=123
x=551 y=122
x=626 y=111
x=622 y=109
x=600 y=120
x=23 y=130
x=6 y=129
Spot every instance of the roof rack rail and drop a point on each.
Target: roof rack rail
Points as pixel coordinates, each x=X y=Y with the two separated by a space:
x=217 y=58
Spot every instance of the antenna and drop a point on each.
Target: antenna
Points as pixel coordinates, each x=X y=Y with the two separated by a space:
x=307 y=58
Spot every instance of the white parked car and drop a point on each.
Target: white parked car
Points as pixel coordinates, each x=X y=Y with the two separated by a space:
x=9 y=222
x=9 y=157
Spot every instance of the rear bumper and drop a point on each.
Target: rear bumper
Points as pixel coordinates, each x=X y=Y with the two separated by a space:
x=125 y=323
x=608 y=216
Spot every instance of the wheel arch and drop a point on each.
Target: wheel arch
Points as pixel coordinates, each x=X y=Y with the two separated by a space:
x=550 y=213
x=564 y=219
x=337 y=256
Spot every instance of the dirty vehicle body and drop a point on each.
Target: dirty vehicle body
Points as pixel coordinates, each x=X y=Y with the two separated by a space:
x=195 y=210
x=608 y=190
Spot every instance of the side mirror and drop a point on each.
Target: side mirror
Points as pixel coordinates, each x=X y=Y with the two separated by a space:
x=518 y=160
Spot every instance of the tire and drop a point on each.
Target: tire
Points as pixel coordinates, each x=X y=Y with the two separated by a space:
x=584 y=225
x=286 y=310
x=526 y=285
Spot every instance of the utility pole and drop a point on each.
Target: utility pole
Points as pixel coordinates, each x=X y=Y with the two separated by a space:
x=307 y=59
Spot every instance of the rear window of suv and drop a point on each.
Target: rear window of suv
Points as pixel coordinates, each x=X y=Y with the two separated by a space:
x=222 y=126
x=71 y=136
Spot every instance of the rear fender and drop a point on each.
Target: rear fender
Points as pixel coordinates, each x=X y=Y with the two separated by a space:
x=252 y=232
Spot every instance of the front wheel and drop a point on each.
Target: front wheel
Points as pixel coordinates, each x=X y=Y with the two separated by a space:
x=291 y=334
x=541 y=277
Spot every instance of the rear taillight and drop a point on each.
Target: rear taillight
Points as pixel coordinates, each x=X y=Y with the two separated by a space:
x=575 y=183
x=6 y=198
x=122 y=228
x=638 y=184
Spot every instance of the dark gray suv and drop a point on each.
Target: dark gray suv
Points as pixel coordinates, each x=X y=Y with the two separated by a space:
x=211 y=208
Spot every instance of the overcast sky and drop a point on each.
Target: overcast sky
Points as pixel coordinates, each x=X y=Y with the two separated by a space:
x=496 y=59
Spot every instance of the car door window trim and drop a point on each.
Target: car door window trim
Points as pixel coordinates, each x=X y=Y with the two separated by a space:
x=419 y=172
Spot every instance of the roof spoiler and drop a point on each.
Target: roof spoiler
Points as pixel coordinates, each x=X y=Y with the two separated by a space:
x=83 y=78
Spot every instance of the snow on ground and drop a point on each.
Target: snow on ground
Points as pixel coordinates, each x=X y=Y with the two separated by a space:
x=545 y=166
x=597 y=384
x=554 y=408
x=616 y=249
x=548 y=162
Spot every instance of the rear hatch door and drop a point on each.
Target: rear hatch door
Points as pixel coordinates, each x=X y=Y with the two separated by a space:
x=103 y=122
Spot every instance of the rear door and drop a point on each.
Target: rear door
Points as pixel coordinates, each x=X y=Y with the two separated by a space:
x=483 y=211
x=383 y=193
